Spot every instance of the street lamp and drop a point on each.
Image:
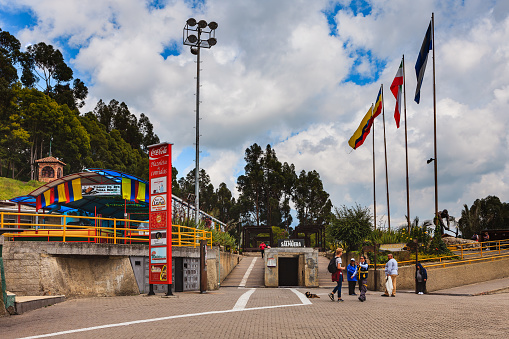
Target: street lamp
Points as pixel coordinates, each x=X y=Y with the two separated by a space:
x=198 y=35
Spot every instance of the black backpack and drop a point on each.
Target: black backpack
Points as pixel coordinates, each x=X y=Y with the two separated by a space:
x=333 y=266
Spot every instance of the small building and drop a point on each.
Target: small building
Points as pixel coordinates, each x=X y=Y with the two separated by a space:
x=49 y=169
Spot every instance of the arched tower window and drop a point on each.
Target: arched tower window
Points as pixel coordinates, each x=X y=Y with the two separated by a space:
x=48 y=172
x=59 y=172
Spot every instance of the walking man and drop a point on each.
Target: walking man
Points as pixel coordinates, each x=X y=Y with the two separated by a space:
x=391 y=270
x=262 y=248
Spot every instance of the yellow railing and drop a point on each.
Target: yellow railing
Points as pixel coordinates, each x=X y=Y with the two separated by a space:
x=468 y=261
x=492 y=247
x=52 y=227
x=489 y=250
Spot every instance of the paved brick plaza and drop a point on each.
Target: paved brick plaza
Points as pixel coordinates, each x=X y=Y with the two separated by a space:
x=407 y=315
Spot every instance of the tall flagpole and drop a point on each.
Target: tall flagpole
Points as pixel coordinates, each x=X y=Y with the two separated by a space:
x=406 y=150
x=434 y=112
x=386 y=172
x=374 y=186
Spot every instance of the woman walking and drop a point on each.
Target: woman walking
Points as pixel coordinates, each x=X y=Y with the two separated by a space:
x=337 y=276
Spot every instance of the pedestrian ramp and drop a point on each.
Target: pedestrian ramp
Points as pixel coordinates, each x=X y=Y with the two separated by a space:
x=248 y=273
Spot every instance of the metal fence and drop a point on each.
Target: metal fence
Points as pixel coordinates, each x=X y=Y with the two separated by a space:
x=63 y=228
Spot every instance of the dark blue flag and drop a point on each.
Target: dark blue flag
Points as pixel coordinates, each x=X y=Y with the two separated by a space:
x=420 y=65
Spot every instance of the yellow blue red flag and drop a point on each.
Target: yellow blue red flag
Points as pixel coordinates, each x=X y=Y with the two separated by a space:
x=363 y=130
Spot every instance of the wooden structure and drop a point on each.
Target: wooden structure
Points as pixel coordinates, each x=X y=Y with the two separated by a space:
x=308 y=230
x=252 y=237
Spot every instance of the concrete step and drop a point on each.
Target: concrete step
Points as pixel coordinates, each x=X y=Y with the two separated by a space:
x=28 y=303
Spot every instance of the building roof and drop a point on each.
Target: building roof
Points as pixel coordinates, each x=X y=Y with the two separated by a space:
x=50 y=159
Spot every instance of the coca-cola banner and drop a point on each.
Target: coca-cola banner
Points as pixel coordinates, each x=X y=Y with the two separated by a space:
x=160 y=213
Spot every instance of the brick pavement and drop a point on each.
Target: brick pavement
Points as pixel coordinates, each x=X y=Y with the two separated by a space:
x=407 y=315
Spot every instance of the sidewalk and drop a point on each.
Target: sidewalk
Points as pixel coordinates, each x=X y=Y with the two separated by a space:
x=482 y=288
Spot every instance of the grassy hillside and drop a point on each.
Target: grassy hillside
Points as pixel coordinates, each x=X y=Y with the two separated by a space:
x=10 y=188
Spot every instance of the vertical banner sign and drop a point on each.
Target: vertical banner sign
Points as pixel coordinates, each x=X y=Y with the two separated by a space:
x=160 y=213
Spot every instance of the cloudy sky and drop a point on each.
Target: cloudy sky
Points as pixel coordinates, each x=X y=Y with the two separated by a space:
x=300 y=75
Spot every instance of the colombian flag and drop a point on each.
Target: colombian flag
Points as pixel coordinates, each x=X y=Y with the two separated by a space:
x=378 y=104
x=362 y=131
x=134 y=190
x=66 y=192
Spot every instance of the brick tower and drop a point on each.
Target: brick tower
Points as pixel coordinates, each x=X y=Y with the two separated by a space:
x=50 y=168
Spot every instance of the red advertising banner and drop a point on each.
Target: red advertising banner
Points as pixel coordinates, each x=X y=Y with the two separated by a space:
x=160 y=213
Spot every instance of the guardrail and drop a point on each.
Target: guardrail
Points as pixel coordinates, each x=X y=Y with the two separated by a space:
x=468 y=261
x=487 y=250
x=62 y=228
x=481 y=248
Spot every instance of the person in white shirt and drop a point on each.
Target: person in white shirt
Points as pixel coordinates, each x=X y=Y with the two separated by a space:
x=391 y=270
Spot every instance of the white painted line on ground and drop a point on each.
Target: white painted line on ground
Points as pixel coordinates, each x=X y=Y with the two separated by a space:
x=244 y=298
x=248 y=272
x=301 y=296
x=155 y=319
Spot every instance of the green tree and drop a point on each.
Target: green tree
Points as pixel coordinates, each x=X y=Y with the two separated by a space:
x=351 y=226
x=484 y=214
x=288 y=181
x=47 y=64
x=311 y=201
x=250 y=185
x=272 y=189
x=41 y=117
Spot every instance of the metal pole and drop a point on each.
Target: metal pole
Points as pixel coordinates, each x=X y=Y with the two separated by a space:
x=374 y=180
x=406 y=151
x=169 y=291
x=434 y=113
x=197 y=169
x=386 y=172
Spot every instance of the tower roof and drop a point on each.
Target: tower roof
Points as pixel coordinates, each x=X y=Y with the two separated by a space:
x=50 y=159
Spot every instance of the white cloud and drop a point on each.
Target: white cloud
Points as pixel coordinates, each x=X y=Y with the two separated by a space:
x=277 y=76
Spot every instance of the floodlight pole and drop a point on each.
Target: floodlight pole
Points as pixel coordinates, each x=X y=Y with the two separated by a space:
x=196 y=43
x=197 y=161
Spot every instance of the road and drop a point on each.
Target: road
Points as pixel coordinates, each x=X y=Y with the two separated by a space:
x=233 y=312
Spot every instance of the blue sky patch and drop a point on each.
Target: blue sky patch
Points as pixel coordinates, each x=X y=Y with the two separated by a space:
x=171 y=49
x=363 y=78
x=156 y=4
x=195 y=4
x=16 y=21
x=357 y=7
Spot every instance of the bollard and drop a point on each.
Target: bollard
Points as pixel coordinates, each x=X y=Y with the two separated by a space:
x=203 y=266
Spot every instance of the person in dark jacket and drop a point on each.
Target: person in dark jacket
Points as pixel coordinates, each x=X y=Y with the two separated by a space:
x=362 y=269
x=421 y=276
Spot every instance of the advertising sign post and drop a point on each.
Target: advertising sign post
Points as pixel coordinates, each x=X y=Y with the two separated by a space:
x=160 y=266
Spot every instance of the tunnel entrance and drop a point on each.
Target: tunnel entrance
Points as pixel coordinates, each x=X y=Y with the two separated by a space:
x=288 y=271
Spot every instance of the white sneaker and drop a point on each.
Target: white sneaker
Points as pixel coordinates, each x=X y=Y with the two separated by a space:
x=420 y=293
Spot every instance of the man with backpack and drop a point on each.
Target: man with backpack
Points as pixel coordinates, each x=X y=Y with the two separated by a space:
x=337 y=273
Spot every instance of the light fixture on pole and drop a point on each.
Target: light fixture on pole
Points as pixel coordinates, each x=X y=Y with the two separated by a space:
x=198 y=34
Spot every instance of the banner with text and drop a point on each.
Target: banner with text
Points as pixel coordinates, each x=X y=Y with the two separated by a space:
x=160 y=213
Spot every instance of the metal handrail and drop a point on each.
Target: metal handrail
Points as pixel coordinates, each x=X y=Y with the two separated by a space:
x=115 y=234
x=496 y=253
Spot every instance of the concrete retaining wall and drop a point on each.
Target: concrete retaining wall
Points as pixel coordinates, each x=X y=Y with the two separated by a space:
x=83 y=269
x=440 y=278
x=219 y=265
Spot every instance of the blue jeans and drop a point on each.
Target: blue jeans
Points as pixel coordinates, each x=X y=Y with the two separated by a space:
x=338 y=288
